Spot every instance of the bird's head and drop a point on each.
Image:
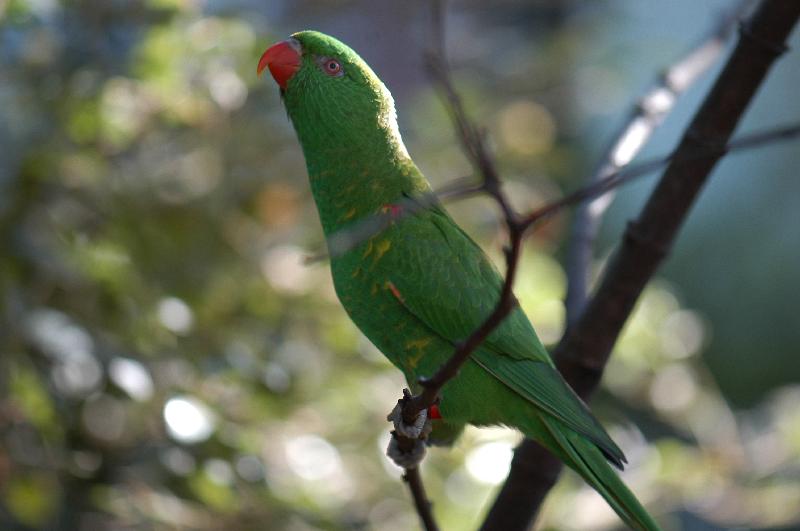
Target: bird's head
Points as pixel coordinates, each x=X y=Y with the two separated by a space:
x=332 y=96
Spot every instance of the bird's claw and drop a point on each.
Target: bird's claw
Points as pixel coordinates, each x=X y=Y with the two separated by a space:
x=418 y=430
x=407 y=445
x=403 y=457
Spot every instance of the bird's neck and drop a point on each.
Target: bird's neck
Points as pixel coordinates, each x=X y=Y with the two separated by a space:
x=356 y=175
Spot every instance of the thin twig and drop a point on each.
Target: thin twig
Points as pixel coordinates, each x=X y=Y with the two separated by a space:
x=473 y=144
x=412 y=475
x=348 y=238
x=625 y=176
x=413 y=478
x=472 y=141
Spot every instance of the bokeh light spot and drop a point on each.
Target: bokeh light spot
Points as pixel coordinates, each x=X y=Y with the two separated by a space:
x=132 y=377
x=490 y=462
x=284 y=269
x=250 y=468
x=188 y=420
x=104 y=417
x=219 y=471
x=673 y=388
x=75 y=370
x=175 y=315
x=313 y=458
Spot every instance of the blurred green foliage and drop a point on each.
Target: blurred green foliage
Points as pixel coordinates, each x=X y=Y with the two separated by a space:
x=170 y=362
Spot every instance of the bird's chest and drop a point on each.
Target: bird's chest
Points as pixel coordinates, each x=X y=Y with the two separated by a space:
x=363 y=281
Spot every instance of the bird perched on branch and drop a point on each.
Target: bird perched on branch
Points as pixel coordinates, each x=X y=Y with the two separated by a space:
x=422 y=285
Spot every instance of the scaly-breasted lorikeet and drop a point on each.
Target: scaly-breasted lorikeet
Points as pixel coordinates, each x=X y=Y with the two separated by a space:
x=419 y=287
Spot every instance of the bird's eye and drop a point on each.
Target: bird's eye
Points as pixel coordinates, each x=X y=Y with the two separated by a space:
x=332 y=67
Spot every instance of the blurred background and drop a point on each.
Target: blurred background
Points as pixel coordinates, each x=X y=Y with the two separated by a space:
x=169 y=361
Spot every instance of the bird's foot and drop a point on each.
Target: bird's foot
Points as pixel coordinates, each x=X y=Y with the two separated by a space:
x=407 y=446
x=406 y=453
x=418 y=430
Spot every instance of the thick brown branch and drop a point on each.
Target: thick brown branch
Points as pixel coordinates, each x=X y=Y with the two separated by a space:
x=584 y=350
x=473 y=143
x=533 y=473
x=645 y=116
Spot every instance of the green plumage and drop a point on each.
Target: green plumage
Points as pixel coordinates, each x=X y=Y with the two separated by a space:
x=422 y=285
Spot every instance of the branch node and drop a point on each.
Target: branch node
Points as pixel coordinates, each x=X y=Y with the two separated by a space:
x=516 y=226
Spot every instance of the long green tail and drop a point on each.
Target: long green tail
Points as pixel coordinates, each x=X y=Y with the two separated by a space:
x=587 y=460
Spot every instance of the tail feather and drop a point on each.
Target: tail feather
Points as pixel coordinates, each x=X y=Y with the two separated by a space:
x=588 y=461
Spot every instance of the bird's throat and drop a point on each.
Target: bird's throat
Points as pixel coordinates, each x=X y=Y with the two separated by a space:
x=359 y=185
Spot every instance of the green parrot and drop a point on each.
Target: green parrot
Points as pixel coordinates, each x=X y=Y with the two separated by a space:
x=422 y=285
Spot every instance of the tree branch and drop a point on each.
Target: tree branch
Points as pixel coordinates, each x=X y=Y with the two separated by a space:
x=413 y=479
x=584 y=350
x=624 y=176
x=648 y=239
x=644 y=117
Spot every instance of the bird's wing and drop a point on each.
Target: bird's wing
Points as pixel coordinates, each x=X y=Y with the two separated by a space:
x=444 y=279
x=448 y=282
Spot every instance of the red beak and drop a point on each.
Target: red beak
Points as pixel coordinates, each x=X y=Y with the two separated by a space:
x=283 y=60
